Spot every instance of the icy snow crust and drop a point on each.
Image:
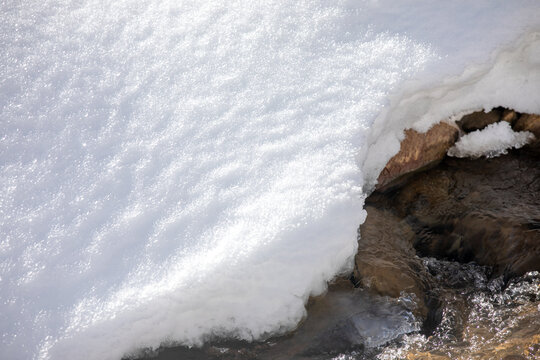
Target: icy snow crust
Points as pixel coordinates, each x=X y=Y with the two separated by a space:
x=174 y=170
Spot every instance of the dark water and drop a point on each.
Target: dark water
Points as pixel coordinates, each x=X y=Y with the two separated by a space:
x=346 y=321
x=447 y=269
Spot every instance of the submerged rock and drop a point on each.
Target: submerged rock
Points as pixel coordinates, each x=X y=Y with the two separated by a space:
x=485 y=321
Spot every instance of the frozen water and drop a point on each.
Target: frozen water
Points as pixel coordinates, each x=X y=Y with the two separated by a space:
x=176 y=169
x=492 y=141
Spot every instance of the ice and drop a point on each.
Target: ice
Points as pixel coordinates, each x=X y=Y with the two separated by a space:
x=492 y=141
x=178 y=169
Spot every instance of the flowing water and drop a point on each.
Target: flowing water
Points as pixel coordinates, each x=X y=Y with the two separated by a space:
x=479 y=318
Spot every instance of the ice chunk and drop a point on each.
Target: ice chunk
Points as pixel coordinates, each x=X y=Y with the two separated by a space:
x=492 y=141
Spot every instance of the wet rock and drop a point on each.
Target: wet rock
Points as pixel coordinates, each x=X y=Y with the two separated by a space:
x=418 y=151
x=484 y=210
x=526 y=348
x=479 y=120
x=386 y=261
x=528 y=122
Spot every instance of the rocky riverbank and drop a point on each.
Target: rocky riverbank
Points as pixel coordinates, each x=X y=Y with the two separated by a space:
x=464 y=230
x=447 y=267
x=441 y=235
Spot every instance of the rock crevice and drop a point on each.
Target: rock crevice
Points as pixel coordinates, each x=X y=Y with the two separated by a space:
x=485 y=211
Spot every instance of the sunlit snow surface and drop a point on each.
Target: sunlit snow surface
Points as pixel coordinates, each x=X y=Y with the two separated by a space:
x=174 y=169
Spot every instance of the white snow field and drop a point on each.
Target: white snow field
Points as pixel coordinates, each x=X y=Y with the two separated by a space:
x=172 y=170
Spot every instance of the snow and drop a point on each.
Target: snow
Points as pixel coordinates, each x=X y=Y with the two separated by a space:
x=492 y=141
x=174 y=170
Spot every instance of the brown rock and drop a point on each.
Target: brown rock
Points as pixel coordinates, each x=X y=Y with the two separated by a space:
x=418 y=151
x=386 y=261
x=479 y=120
x=484 y=210
x=528 y=122
x=510 y=116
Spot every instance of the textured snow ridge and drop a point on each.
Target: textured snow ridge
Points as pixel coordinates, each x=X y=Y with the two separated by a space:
x=173 y=170
x=492 y=141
